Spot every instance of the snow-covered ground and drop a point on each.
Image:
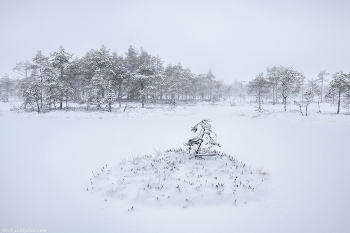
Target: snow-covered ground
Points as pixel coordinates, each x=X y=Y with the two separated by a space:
x=46 y=162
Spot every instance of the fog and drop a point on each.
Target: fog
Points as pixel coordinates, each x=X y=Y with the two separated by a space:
x=236 y=39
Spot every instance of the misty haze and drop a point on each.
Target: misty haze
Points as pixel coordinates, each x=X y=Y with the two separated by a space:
x=174 y=116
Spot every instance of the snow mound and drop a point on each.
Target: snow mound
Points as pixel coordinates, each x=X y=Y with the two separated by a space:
x=176 y=177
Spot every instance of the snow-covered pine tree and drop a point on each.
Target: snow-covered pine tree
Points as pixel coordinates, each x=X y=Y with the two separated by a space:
x=110 y=98
x=273 y=79
x=33 y=95
x=209 y=83
x=52 y=94
x=132 y=60
x=259 y=87
x=96 y=89
x=306 y=100
x=289 y=83
x=39 y=63
x=315 y=91
x=75 y=78
x=338 y=86
x=23 y=69
x=119 y=75
x=218 y=90
x=6 y=85
x=60 y=61
x=346 y=99
x=302 y=79
x=322 y=78
x=99 y=59
x=145 y=75
x=158 y=91
x=206 y=136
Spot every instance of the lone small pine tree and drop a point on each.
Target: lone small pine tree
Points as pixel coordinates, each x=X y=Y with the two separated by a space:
x=206 y=136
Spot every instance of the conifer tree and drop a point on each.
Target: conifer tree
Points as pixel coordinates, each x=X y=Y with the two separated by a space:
x=206 y=136
x=338 y=87
x=322 y=78
x=258 y=86
x=290 y=83
x=39 y=63
x=6 y=85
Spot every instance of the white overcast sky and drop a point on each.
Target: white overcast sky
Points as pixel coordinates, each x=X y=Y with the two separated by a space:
x=236 y=39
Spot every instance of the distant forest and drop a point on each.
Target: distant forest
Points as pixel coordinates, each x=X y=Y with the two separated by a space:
x=102 y=78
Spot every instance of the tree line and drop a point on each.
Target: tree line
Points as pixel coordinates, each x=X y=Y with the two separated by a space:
x=286 y=84
x=102 y=78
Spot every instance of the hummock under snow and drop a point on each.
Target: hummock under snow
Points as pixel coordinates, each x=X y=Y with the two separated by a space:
x=176 y=177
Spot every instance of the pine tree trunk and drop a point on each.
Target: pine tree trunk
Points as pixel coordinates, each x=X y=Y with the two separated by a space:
x=119 y=96
x=321 y=90
x=338 y=102
x=319 y=108
x=306 y=110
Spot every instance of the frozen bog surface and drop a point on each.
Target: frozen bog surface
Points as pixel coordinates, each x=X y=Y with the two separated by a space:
x=47 y=160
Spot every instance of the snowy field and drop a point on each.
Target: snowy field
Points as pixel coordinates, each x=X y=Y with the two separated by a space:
x=46 y=162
